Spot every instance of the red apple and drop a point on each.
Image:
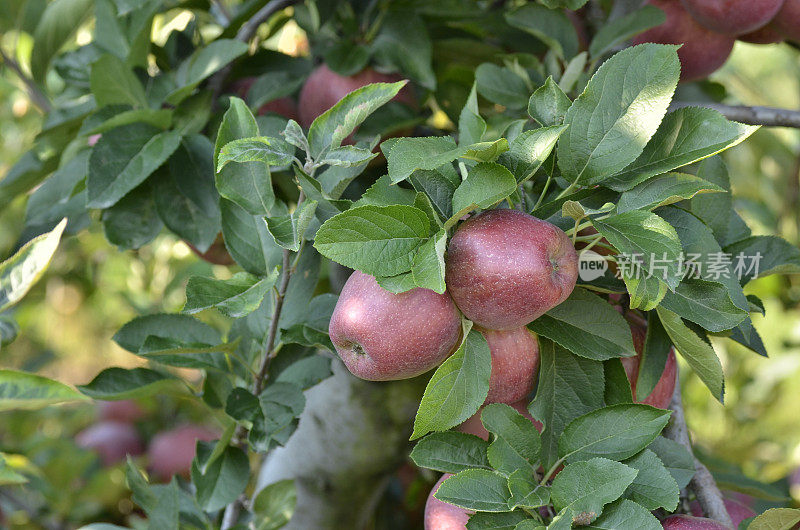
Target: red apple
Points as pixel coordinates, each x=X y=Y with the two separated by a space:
x=171 y=452
x=474 y=425
x=443 y=516
x=787 y=21
x=324 y=88
x=515 y=363
x=111 y=440
x=687 y=522
x=285 y=107
x=738 y=511
x=505 y=268
x=126 y=411
x=769 y=34
x=662 y=392
x=384 y=336
x=733 y=17
x=703 y=50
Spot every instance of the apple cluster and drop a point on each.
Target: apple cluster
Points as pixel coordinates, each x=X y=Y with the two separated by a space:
x=707 y=29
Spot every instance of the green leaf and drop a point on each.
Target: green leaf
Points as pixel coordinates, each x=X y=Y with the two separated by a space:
x=548 y=104
x=654 y=357
x=615 y=116
x=160 y=503
x=205 y=61
x=480 y=490
x=377 y=240
x=223 y=481
x=439 y=185
x=471 y=126
x=618 y=31
x=585 y=487
x=114 y=383
x=550 y=26
x=716 y=210
x=772 y=254
x=399 y=283
x=569 y=386
x=274 y=505
x=653 y=486
x=57 y=197
x=403 y=41
x=133 y=221
x=269 y=150
x=676 y=458
x=248 y=240
x=685 y=136
x=662 y=190
x=450 y=452
x=209 y=452
x=486 y=184
x=248 y=184
x=411 y=154
x=24 y=391
x=502 y=86
x=616 y=432
x=588 y=326
x=428 y=266
x=280 y=405
x=705 y=303
x=458 y=387
x=516 y=443
x=515 y=520
x=123 y=158
x=697 y=352
x=526 y=492
x=486 y=151
x=347 y=156
x=618 y=388
x=288 y=230
x=113 y=82
x=337 y=123
x=625 y=514
x=236 y=297
x=776 y=519
x=649 y=238
x=60 y=20
x=22 y=270
x=529 y=150
x=309 y=371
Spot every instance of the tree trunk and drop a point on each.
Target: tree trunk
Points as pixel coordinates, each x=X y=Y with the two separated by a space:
x=351 y=436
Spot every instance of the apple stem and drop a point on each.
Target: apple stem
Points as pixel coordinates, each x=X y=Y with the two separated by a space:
x=703 y=483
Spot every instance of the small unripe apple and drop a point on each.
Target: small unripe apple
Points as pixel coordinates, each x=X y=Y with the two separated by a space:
x=111 y=440
x=687 y=522
x=769 y=34
x=171 y=452
x=505 y=268
x=737 y=511
x=443 y=516
x=126 y=411
x=733 y=17
x=515 y=363
x=324 y=88
x=662 y=392
x=474 y=425
x=384 y=336
x=703 y=50
x=787 y=21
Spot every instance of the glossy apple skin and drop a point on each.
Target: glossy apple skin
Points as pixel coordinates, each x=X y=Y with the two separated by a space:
x=285 y=107
x=738 y=511
x=111 y=440
x=687 y=522
x=733 y=17
x=703 y=50
x=473 y=424
x=515 y=364
x=505 y=268
x=126 y=411
x=443 y=516
x=382 y=336
x=662 y=392
x=171 y=452
x=787 y=21
x=768 y=34
x=324 y=88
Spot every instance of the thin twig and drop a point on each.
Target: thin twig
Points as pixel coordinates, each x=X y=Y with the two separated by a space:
x=767 y=116
x=703 y=483
x=232 y=511
x=223 y=9
x=34 y=92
